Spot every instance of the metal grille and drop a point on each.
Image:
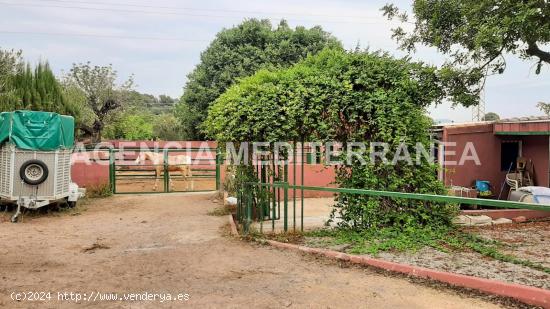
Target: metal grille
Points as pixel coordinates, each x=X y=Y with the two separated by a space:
x=5 y=171
x=63 y=172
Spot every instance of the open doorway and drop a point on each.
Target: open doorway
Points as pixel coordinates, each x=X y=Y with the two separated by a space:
x=510 y=151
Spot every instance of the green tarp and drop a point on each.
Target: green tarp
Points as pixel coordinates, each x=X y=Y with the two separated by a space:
x=30 y=130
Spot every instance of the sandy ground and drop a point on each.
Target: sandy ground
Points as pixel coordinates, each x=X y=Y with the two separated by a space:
x=144 y=185
x=167 y=244
x=316 y=214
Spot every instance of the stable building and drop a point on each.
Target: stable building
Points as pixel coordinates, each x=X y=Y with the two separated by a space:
x=510 y=153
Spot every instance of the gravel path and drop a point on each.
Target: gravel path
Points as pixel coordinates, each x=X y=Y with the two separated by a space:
x=167 y=244
x=527 y=241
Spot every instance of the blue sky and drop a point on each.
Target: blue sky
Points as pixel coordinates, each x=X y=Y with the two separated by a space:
x=160 y=41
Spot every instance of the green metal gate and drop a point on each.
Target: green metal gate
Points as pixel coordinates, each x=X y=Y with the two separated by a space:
x=130 y=177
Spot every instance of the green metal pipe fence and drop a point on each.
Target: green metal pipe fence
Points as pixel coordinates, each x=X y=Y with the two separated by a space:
x=250 y=202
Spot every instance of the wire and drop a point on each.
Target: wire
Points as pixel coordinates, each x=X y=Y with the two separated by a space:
x=166 y=13
x=102 y=36
x=208 y=10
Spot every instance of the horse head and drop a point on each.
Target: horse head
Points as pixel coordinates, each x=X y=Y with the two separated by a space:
x=140 y=158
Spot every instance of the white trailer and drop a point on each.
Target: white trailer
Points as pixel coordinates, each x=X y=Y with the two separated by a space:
x=33 y=178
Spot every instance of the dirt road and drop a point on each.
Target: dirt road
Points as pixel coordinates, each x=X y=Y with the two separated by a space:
x=167 y=244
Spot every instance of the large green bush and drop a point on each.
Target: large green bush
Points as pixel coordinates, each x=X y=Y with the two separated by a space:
x=346 y=97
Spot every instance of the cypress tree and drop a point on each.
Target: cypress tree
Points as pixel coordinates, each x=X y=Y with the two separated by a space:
x=36 y=89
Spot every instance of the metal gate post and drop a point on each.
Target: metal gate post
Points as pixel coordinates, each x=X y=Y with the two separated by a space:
x=285 y=194
x=265 y=191
x=112 y=170
x=274 y=192
x=238 y=191
x=303 y=162
x=218 y=172
x=248 y=219
x=294 y=151
x=166 y=172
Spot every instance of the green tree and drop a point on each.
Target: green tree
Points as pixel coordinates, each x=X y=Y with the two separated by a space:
x=34 y=89
x=10 y=62
x=475 y=35
x=345 y=97
x=189 y=119
x=544 y=107
x=239 y=52
x=166 y=127
x=491 y=117
x=103 y=95
x=132 y=125
x=140 y=100
x=167 y=100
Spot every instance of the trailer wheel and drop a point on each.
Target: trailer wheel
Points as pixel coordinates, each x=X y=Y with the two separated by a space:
x=33 y=172
x=71 y=204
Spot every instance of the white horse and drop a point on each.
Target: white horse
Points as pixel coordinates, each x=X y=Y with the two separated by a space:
x=179 y=163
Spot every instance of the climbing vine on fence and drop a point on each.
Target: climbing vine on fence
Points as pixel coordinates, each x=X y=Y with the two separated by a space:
x=347 y=97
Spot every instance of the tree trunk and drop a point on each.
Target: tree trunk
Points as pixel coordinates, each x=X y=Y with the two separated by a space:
x=96 y=133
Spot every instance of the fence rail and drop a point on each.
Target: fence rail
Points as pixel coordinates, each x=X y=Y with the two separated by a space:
x=261 y=202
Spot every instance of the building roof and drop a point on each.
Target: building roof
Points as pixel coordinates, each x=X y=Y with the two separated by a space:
x=533 y=125
x=525 y=119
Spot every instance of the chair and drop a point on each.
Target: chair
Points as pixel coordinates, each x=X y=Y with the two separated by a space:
x=513 y=182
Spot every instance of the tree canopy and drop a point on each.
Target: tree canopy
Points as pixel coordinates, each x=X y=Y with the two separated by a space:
x=132 y=125
x=10 y=62
x=476 y=35
x=239 y=52
x=103 y=95
x=491 y=117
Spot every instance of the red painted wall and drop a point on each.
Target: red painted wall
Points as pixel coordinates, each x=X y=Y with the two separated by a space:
x=536 y=148
x=488 y=149
x=90 y=169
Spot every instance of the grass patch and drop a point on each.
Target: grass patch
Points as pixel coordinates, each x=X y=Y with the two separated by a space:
x=99 y=191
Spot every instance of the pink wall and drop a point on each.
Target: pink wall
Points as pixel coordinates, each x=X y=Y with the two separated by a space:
x=536 y=148
x=92 y=168
x=90 y=175
x=488 y=149
x=315 y=175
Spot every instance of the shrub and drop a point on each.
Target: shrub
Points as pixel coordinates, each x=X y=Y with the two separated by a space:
x=347 y=97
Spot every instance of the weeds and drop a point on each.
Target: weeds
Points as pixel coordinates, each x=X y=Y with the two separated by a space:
x=99 y=191
x=444 y=239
